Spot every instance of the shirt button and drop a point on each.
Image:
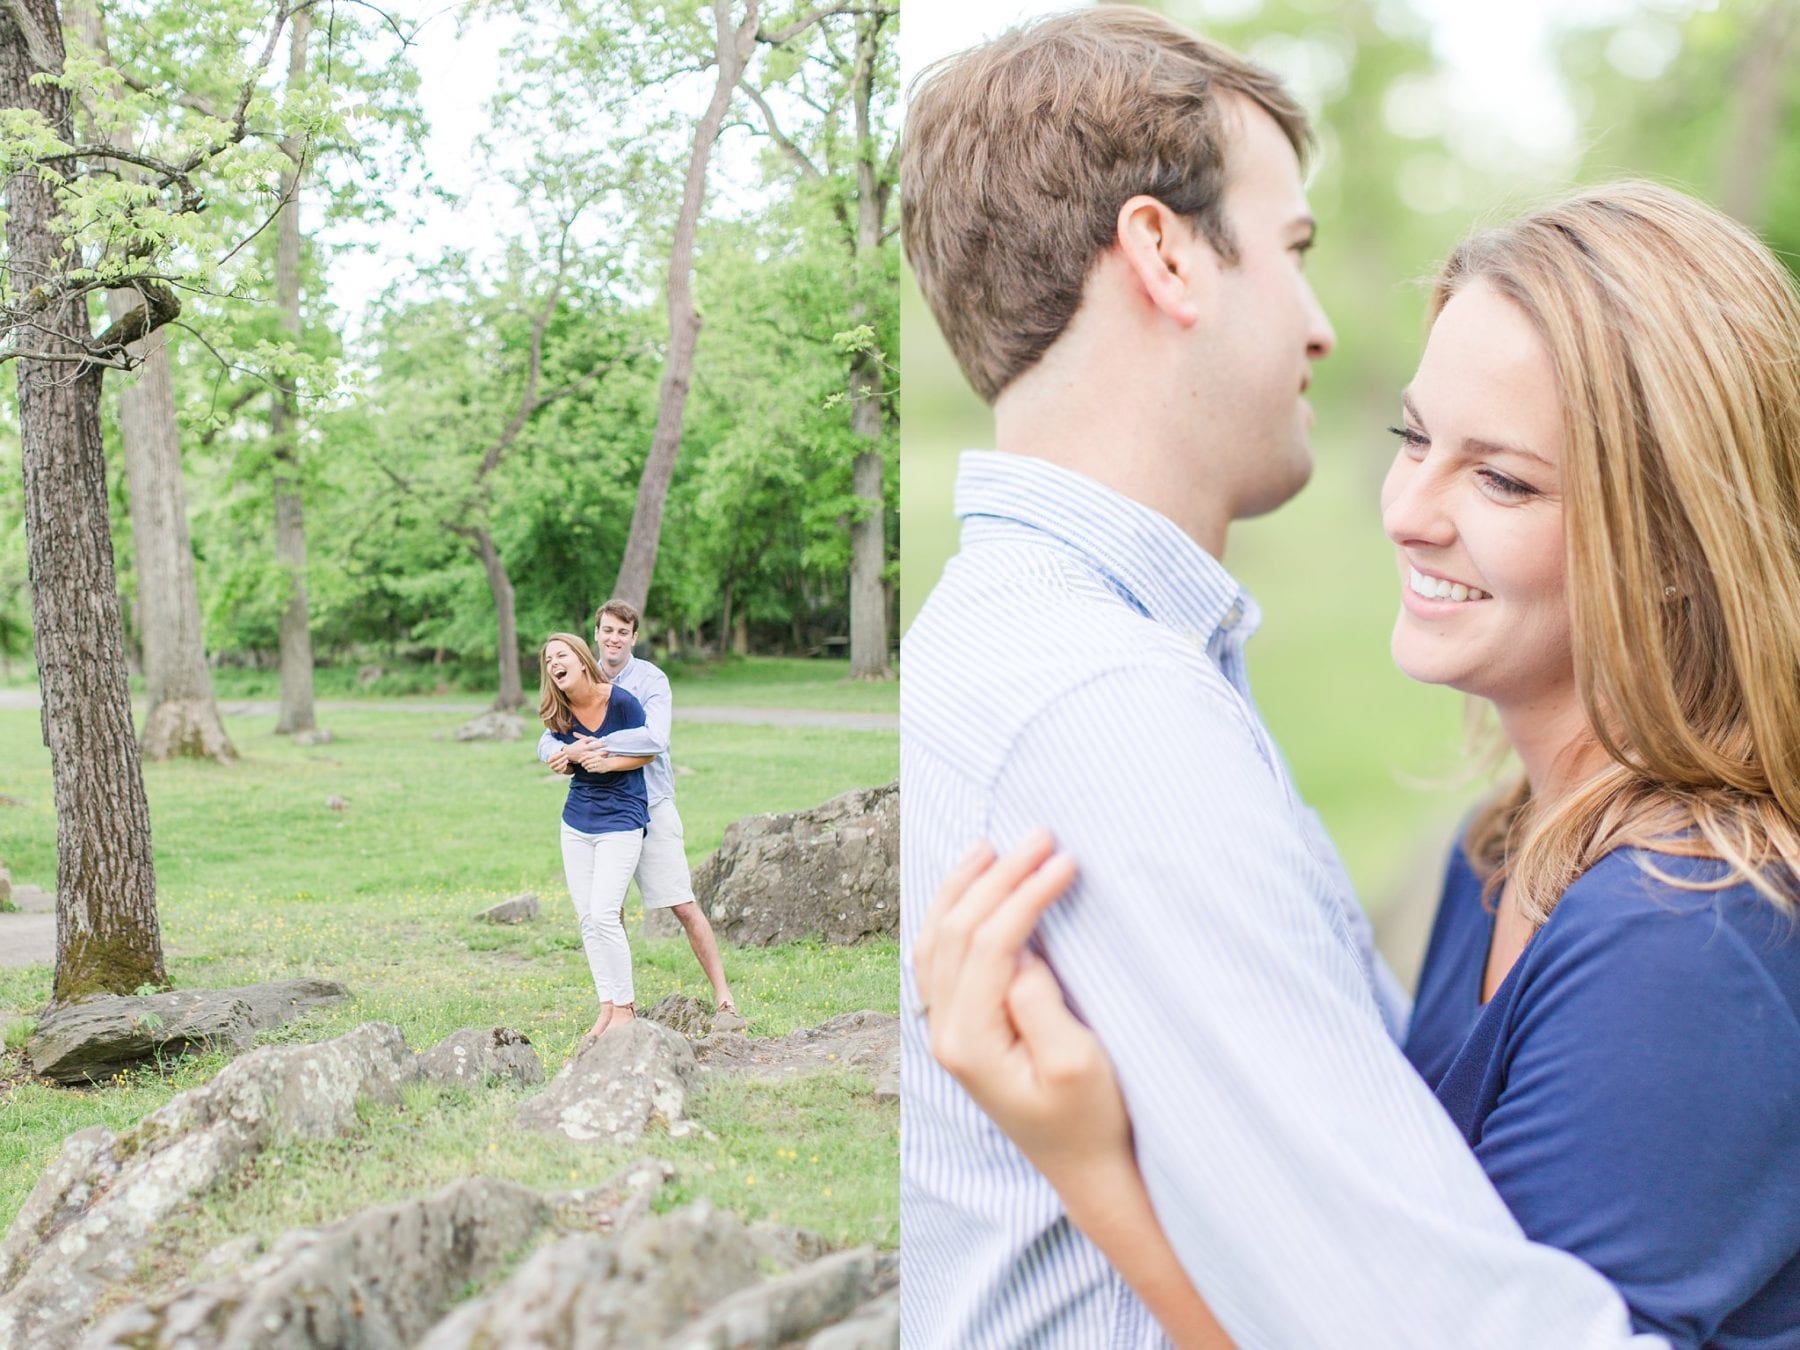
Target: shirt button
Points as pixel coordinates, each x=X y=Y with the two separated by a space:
x=1232 y=616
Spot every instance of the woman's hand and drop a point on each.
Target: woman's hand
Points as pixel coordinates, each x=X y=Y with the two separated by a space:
x=999 y=1025
x=998 y=1021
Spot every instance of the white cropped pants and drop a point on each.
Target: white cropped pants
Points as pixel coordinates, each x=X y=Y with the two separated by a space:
x=599 y=868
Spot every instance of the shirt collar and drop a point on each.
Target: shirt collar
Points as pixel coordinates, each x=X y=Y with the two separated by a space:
x=1144 y=555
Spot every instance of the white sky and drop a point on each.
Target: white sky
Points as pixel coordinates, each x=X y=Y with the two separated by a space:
x=1497 y=54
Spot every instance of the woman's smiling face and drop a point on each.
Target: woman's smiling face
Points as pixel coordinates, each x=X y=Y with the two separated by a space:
x=564 y=667
x=1473 y=504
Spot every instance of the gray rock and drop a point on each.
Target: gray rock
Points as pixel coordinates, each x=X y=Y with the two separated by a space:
x=634 y=1289
x=692 y=1018
x=874 y=1326
x=774 y=1314
x=682 y=1013
x=492 y=726
x=475 y=1055
x=832 y=872
x=519 y=909
x=94 y=1039
x=317 y=736
x=80 y=1229
x=381 y=1278
x=611 y=1089
x=866 y=1041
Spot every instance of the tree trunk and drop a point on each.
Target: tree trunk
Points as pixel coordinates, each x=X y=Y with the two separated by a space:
x=284 y=430
x=512 y=691
x=183 y=718
x=107 y=937
x=1753 y=124
x=733 y=46
x=868 y=528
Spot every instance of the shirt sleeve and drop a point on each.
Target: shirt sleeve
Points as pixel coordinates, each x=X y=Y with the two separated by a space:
x=1310 y=1183
x=1651 y=1107
x=652 y=738
x=547 y=745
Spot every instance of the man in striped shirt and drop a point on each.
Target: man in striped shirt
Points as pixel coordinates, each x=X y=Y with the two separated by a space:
x=1107 y=217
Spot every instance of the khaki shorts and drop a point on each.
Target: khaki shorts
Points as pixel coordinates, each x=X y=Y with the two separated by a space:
x=662 y=870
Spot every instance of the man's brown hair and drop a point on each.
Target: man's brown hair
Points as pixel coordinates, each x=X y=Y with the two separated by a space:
x=622 y=610
x=1019 y=154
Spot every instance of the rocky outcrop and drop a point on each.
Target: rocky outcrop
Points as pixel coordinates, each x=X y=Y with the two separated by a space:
x=832 y=872
x=865 y=1041
x=612 y=1088
x=692 y=1018
x=476 y=1055
x=519 y=909
x=693 y=1278
x=80 y=1228
x=94 y=1039
x=381 y=1278
x=492 y=726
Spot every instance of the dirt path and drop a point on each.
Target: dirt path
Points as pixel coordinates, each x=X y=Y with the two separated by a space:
x=750 y=717
x=28 y=938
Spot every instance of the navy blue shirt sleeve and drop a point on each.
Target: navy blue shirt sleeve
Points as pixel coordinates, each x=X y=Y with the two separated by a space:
x=1649 y=1120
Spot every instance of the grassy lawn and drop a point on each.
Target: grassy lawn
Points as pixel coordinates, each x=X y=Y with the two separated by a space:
x=258 y=879
x=738 y=681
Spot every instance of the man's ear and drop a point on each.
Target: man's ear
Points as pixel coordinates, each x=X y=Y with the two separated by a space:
x=1169 y=258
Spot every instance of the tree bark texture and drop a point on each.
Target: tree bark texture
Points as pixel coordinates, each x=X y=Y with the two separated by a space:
x=107 y=938
x=183 y=718
x=734 y=44
x=868 y=528
x=296 y=713
x=512 y=691
x=1753 y=125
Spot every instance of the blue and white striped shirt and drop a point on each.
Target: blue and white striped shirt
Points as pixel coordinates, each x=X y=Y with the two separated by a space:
x=1310 y=1183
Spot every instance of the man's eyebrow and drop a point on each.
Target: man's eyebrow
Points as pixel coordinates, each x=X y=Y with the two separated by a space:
x=1477 y=446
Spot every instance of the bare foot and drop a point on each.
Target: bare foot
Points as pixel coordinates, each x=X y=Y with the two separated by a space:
x=622 y=1015
x=604 y=1020
x=725 y=1003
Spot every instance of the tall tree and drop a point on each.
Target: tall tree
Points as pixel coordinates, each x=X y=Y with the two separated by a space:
x=296 y=714
x=76 y=228
x=182 y=718
x=463 y=506
x=107 y=935
x=734 y=40
x=865 y=82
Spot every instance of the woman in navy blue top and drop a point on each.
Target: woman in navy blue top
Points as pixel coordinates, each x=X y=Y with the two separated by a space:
x=604 y=815
x=1596 y=513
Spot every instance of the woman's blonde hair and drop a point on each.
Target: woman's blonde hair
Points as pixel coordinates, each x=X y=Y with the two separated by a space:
x=1675 y=337
x=553 y=704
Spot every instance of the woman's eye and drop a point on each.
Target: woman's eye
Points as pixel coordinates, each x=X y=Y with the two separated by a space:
x=1410 y=439
x=1499 y=485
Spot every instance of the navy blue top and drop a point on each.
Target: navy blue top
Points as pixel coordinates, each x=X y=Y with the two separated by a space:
x=601 y=803
x=1633 y=1088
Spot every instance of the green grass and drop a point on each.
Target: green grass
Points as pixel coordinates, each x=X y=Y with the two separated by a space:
x=258 y=880
x=738 y=681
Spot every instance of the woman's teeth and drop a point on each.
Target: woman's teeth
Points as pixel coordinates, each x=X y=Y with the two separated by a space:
x=1436 y=588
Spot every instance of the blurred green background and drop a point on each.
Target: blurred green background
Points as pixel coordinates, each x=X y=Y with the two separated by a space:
x=1432 y=115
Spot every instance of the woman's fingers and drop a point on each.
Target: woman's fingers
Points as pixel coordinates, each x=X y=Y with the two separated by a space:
x=1059 y=1044
x=976 y=861
x=967 y=898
